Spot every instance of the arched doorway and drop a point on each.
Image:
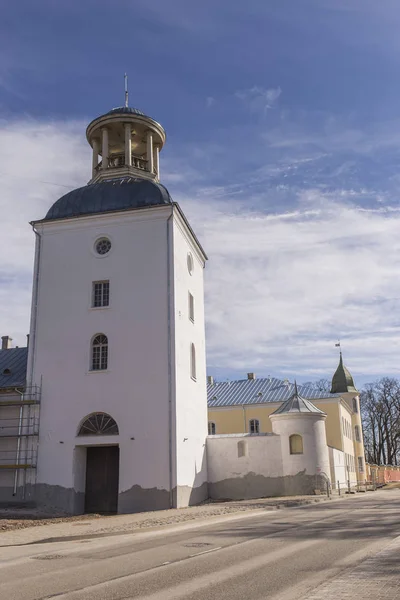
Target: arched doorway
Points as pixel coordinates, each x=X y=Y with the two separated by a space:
x=102 y=465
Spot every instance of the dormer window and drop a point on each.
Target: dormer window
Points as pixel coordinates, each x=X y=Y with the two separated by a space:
x=7 y=372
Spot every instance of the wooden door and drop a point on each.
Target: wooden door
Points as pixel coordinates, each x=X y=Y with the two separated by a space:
x=102 y=477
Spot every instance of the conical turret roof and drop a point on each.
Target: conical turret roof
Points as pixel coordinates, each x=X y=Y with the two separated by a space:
x=297 y=404
x=342 y=381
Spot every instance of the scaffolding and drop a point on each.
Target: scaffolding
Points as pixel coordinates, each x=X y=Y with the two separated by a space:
x=19 y=431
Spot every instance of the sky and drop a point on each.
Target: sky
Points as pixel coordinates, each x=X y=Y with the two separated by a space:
x=283 y=150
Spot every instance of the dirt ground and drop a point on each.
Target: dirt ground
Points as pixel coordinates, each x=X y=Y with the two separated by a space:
x=13 y=519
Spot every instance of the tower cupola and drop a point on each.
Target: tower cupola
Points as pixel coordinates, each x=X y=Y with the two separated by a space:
x=342 y=381
x=125 y=142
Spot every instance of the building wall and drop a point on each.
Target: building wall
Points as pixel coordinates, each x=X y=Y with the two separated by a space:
x=134 y=389
x=231 y=419
x=244 y=466
x=191 y=395
x=333 y=427
x=348 y=442
x=236 y=419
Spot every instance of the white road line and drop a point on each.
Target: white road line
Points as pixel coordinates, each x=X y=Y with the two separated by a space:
x=205 y=551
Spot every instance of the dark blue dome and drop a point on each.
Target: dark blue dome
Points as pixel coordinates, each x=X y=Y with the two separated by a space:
x=109 y=196
x=124 y=110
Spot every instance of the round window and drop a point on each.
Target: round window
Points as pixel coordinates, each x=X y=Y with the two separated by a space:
x=190 y=263
x=103 y=246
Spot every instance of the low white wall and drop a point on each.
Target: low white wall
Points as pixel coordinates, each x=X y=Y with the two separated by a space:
x=263 y=456
x=244 y=466
x=338 y=469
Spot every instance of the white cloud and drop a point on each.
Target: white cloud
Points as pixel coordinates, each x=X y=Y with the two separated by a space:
x=33 y=157
x=259 y=99
x=281 y=286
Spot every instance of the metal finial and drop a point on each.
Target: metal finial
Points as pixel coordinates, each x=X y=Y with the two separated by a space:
x=126 y=89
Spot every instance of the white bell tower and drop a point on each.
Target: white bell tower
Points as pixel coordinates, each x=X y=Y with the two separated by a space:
x=117 y=334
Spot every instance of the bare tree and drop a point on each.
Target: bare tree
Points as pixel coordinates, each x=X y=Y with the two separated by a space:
x=380 y=410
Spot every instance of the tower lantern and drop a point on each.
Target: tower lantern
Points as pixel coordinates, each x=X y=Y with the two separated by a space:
x=128 y=143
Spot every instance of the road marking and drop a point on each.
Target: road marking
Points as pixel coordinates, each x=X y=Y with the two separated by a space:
x=205 y=551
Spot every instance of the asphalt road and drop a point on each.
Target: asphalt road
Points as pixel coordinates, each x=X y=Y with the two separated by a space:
x=280 y=554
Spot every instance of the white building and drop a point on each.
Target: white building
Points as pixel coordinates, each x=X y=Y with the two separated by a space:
x=117 y=338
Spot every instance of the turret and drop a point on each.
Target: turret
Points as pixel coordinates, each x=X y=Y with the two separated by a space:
x=305 y=456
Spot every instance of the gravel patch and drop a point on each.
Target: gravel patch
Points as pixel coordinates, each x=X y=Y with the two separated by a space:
x=14 y=519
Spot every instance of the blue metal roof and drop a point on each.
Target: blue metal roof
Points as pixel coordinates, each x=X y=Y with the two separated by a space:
x=13 y=364
x=258 y=391
x=109 y=196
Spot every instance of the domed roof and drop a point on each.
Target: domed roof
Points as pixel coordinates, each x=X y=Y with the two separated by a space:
x=342 y=381
x=297 y=404
x=124 y=110
x=109 y=196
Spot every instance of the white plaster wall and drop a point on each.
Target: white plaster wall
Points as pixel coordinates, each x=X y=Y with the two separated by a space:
x=134 y=389
x=338 y=471
x=263 y=457
x=315 y=457
x=191 y=396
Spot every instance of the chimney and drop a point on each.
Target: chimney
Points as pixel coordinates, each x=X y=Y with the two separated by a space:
x=27 y=340
x=6 y=342
x=251 y=375
x=210 y=379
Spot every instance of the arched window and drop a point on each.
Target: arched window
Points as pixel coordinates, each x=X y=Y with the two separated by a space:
x=357 y=433
x=254 y=426
x=296 y=444
x=192 y=361
x=211 y=428
x=98 y=424
x=355 y=405
x=100 y=352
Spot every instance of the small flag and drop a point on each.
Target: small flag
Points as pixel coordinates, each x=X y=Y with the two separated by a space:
x=337 y=345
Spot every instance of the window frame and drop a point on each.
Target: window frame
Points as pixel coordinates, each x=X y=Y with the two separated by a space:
x=101 y=282
x=103 y=354
x=357 y=433
x=355 y=405
x=360 y=461
x=292 y=438
x=213 y=428
x=256 y=424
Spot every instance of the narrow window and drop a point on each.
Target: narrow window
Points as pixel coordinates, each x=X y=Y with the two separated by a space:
x=100 y=294
x=355 y=405
x=100 y=353
x=296 y=444
x=242 y=449
x=193 y=362
x=357 y=433
x=361 y=464
x=211 y=428
x=254 y=426
x=191 y=307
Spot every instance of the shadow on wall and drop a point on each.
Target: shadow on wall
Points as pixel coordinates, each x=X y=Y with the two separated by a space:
x=252 y=485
